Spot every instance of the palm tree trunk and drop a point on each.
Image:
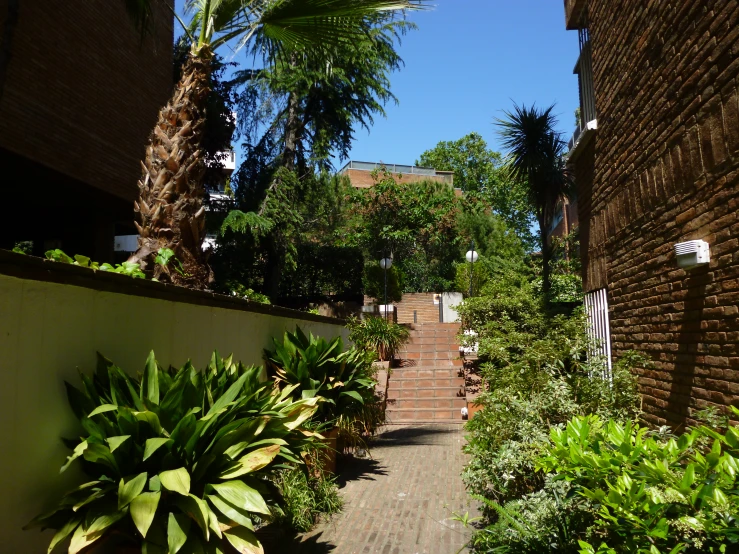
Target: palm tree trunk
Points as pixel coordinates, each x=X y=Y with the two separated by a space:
x=170 y=204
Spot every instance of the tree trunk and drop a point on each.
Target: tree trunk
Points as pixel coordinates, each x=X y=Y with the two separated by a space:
x=291 y=132
x=170 y=204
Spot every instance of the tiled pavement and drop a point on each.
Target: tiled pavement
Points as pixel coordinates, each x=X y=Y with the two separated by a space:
x=400 y=502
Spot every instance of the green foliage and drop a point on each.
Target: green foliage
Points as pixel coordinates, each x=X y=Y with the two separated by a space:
x=177 y=458
x=311 y=367
x=373 y=281
x=378 y=335
x=126 y=268
x=306 y=498
x=238 y=289
x=23 y=247
x=481 y=172
x=653 y=494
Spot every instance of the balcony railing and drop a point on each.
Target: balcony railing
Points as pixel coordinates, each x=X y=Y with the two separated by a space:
x=574 y=14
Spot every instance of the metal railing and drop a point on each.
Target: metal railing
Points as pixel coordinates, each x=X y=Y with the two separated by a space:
x=445 y=176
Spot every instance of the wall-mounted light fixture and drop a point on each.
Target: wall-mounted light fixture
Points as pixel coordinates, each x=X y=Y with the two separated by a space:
x=692 y=254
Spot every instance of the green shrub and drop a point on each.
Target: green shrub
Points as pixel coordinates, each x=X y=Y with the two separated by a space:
x=373 y=281
x=177 y=458
x=311 y=367
x=131 y=269
x=653 y=494
x=377 y=335
x=307 y=497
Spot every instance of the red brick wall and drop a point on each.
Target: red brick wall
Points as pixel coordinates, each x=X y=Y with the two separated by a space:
x=82 y=93
x=664 y=168
x=363 y=179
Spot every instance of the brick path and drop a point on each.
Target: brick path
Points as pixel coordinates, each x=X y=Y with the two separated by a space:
x=400 y=502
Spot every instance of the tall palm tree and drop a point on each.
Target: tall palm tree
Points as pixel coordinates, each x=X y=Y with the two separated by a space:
x=536 y=160
x=170 y=204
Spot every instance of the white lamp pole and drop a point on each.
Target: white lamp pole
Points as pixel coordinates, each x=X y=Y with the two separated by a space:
x=472 y=257
x=385 y=264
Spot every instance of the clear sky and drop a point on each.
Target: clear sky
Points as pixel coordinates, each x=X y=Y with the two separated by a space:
x=468 y=61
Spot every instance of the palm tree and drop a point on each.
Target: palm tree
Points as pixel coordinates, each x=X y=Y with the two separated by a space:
x=170 y=205
x=536 y=160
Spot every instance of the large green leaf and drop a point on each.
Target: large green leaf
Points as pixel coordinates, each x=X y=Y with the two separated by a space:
x=102 y=409
x=150 y=383
x=229 y=396
x=115 y=442
x=151 y=418
x=143 y=508
x=244 y=541
x=63 y=533
x=176 y=480
x=152 y=445
x=231 y=511
x=242 y=496
x=127 y=491
x=178 y=526
x=78 y=451
x=353 y=394
x=251 y=462
x=198 y=510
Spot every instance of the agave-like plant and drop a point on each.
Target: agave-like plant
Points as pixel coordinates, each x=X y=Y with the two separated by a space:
x=177 y=458
x=378 y=335
x=320 y=368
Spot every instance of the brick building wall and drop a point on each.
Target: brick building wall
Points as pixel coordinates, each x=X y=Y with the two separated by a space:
x=363 y=179
x=79 y=99
x=664 y=168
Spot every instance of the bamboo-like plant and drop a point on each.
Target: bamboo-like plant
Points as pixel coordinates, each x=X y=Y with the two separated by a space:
x=170 y=206
x=177 y=458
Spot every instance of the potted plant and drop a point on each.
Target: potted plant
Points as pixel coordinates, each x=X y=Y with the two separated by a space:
x=376 y=334
x=313 y=367
x=177 y=459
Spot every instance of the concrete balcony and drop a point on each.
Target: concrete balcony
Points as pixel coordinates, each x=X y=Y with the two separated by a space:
x=574 y=11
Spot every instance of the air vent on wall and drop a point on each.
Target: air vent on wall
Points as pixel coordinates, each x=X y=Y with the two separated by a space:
x=692 y=253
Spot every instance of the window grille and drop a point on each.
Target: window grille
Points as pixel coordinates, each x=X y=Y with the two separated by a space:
x=596 y=305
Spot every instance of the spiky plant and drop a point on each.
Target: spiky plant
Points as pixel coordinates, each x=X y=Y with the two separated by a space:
x=178 y=459
x=315 y=367
x=170 y=203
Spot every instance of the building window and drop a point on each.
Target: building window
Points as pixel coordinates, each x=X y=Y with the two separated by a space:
x=596 y=305
x=584 y=72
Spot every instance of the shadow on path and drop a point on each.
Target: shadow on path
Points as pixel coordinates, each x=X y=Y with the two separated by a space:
x=414 y=436
x=277 y=540
x=355 y=469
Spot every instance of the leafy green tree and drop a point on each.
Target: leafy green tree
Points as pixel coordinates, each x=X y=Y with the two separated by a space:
x=416 y=223
x=536 y=160
x=480 y=172
x=171 y=189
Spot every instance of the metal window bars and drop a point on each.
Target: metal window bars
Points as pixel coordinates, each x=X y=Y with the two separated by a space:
x=599 y=332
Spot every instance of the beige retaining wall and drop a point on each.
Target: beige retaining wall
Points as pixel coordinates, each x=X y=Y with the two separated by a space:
x=49 y=329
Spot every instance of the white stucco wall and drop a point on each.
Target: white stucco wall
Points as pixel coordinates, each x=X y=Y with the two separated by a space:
x=48 y=330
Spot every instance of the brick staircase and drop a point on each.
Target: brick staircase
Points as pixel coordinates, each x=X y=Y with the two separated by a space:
x=428 y=386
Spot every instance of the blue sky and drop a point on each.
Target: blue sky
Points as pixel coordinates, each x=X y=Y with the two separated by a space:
x=468 y=61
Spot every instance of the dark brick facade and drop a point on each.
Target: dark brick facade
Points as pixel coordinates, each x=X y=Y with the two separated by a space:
x=664 y=168
x=79 y=99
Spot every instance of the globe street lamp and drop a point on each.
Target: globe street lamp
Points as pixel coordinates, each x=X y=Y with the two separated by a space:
x=385 y=264
x=471 y=257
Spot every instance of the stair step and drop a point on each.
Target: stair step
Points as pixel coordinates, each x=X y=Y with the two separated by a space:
x=427 y=392
x=414 y=383
x=425 y=373
x=416 y=414
x=443 y=347
x=442 y=403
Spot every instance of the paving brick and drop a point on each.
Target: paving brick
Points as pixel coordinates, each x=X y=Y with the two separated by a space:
x=403 y=500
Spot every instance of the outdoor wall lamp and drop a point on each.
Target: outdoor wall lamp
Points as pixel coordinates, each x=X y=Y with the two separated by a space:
x=472 y=257
x=385 y=264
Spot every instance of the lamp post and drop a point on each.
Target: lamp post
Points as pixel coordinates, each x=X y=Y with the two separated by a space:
x=472 y=257
x=385 y=264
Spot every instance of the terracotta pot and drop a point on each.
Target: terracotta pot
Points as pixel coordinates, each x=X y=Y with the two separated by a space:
x=327 y=456
x=473 y=408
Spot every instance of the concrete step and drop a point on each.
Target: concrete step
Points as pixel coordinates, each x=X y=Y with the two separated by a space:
x=417 y=362
x=422 y=414
x=427 y=392
x=437 y=347
x=448 y=355
x=415 y=383
x=453 y=402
